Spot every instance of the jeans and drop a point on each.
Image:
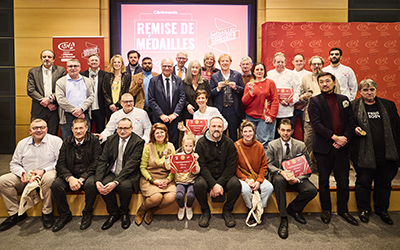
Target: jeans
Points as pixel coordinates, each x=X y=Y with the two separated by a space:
x=266 y=190
x=264 y=131
x=66 y=128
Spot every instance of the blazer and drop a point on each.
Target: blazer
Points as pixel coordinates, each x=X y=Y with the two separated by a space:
x=184 y=70
x=35 y=85
x=100 y=95
x=138 y=69
x=138 y=91
x=107 y=93
x=158 y=99
x=237 y=94
x=321 y=122
x=275 y=155
x=130 y=163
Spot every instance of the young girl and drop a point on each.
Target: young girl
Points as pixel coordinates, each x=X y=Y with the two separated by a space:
x=184 y=181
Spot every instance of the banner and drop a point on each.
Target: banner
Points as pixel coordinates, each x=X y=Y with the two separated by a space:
x=67 y=48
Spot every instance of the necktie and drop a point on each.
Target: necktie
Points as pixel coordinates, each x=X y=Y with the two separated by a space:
x=287 y=149
x=79 y=144
x=180 y=73
x=118 y=168
x=47 y=83
x=168 y=92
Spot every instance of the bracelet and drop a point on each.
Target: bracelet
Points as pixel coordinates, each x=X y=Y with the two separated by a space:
x=151 y=180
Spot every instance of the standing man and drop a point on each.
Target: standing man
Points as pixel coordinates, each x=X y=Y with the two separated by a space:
x=75 y=96
x=35 y=155
x=286 y=82
x=76 y=167
x=344 y=74
x=217 y=159
x=245 y=64
x=167 y=99
x=42 y=87
x=118 y=170
x=133 y=67
x=96 y=75
x=141 y=121
x=279 y=150
x=180 y=69
x=375 y=150
x=333 y=124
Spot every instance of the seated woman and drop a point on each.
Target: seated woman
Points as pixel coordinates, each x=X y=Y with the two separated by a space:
x=252 y=166
x=209 y=66
x=157 y=183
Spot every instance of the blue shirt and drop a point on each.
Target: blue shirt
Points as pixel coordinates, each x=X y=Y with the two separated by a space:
x=146 y=81
x=76 y=91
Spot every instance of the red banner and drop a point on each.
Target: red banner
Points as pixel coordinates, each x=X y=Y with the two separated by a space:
x=182 y=163
x=67 y=48
x=372 y=50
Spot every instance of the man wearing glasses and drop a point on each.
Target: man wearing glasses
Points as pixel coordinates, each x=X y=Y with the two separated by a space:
x=75 y=96
x=180 y=69
x=344 y=74
x=140 y=119
x=34 y=159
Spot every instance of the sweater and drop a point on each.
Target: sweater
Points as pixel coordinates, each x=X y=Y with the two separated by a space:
x=255 y=154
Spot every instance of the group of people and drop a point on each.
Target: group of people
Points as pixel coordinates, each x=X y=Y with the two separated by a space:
x=144 y=111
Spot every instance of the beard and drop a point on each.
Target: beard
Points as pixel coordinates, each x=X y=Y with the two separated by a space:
x=334 y=60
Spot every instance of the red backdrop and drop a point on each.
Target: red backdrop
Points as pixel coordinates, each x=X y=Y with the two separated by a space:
x=370 y=49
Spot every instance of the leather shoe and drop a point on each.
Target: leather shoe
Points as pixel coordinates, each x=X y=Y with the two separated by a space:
x=110 y=221
x=385 y=217
x=125 y=221
x=61 y=222
x=297 y=216
x=363 y=215
x=326 y=216
x=12 y=221
x=48 y=220
x=204 y=220
x=86 y=221
x=283 y=230
x=349 y=218
x=229 y=220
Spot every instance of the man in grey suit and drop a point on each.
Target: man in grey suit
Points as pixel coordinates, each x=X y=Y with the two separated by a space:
x=279 y=150
x=42 y=87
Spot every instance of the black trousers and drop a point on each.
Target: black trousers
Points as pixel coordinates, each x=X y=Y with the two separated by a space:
x=382 y=177
x=124 y=189
x=51 y=117
x=99 y=120
x=233 y=121
x=307 y=191
x=232 y=190
x=59 y=190
x=338 y=161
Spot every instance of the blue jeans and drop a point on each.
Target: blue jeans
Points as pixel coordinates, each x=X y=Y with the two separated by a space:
x=264 y=131
x=66 y=128
x=265 y=189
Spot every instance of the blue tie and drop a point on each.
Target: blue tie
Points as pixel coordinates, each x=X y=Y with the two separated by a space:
x=168 y=93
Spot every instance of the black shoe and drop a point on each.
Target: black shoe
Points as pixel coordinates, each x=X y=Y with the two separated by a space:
x=204 y=220
x=283 y=230
x=125 y=221
x=12 y=221
x=86 y=221
x=110 y=221
x=297 y=216
x=61 y=222
x=385 y=217
x=349 y=218
x=229 y=220
x=363 y=215
x=48 y=220
x=326 y=216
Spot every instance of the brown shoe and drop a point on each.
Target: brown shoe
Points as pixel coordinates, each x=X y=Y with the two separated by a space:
x=140 y=214
x=148 y=218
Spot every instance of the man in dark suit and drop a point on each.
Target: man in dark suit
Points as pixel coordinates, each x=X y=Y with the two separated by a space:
x=332 y=120
x=42 y=87
x=279 y=150
x=133 y=67
x=118 y=170
x=96 y=74
x=180 y=69
x=167 y=99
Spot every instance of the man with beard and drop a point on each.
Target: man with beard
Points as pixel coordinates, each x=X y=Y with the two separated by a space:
x=133 y=67
x=344 y=74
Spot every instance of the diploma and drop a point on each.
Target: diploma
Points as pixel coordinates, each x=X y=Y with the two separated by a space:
x=197 y=126
x=285 y=94
x=298 y=166
x=182 y=163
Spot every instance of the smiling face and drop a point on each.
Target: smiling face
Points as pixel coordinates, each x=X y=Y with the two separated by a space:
x=73 y=69
x=225 y=63
x=279 y=63
x=245 y=66
x=79 y=130
x=159 y=135
x=285 y=131
x=181 y=59
x=195 y=69
x=298 y=62
x=124 y=129
x=38 y=130
x=248 y=134
x=259 y=72
x=167 y=67
x=94 y=62
x=117 y=63
x=188 y=146
x=47 y=58
x=209 y=62
x=127 y=103
x=201 y=100
x=316 y=66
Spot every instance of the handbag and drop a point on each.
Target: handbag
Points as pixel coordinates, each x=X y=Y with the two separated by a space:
x=256 y=211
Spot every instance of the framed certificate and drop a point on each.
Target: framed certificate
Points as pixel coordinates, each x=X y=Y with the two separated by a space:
x=197 y=126
x=298 y=166
x=182 y=163
x=285 y=94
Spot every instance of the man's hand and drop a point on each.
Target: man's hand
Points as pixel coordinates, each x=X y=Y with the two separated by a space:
x=340 y=141
x=77 y=112
x=293 y=181
x=101 y=188
x=217 y=190
x=45 y=101
x=284 y=102
x=232 y=85
x=164 y=118
x=190 y=109
x=113 y=108
x=172 y=117
x=52 y=106
x=23 y=178
x=110 y=187
x=98 y=136
x=74 y=183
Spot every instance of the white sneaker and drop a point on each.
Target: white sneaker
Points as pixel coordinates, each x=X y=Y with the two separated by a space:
x=181 y=213
x=189 y=213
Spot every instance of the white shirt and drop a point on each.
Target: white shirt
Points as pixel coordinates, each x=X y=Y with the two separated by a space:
x=140 y=122
x=301 y=73
x=95 y=104
x=346 y=78
x=284 y=146
x=47 y=73
x=29 y=156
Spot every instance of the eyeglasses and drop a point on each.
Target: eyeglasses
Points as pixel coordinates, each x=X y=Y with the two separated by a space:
x=334 y=54
x=167 y=66
x=73 y=66
x=123 y=128
x=181 y=58
x=316 y=64
x=38 y=127
x=129 y=101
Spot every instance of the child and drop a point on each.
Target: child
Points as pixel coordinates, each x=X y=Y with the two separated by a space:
x=184 y=181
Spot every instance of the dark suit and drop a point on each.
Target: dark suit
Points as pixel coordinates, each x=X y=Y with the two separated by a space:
x=233 y=114
x=184 y=71
x=35 y=88
x=98 y=115
x=327 y=156
x=307 y=191
x=160 y=105
x=128 y=178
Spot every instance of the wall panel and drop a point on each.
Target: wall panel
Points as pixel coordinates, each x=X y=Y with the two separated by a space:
x=22 y=110
x=297 y=15
x=57 y=4
x=315 y=4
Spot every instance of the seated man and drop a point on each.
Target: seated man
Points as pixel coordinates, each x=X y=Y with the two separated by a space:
x=118 y=170
x=286 y=148
x=76 y=167
x=36 y=155
x=217 y=159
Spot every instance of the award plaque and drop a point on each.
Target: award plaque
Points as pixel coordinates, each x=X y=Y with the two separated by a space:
x=285 y=94
x=298 y=166
x=182 y=163
x=197 y=126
